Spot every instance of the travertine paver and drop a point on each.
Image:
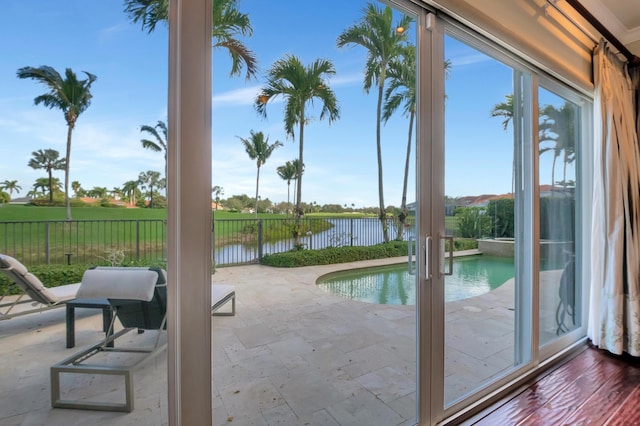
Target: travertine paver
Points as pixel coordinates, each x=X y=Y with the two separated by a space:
x=293 y=355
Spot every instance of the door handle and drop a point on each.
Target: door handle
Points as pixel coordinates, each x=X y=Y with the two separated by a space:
x=443 y=240
x=411 y=269
x=427 y=255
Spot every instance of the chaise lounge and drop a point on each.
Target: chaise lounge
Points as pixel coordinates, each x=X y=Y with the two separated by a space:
x=138 y=298
x=34 y=293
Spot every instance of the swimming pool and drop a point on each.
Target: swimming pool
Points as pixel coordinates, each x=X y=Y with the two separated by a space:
x=392 y=284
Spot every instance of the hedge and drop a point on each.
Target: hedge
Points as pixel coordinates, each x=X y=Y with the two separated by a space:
x=331 y=255
x=55 y=275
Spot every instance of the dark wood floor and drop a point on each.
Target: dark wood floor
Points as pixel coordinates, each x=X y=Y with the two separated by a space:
x=593 y=388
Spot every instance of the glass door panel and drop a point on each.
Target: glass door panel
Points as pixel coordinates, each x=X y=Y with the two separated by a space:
x=560 y=131
x=483 y=193
x=306 y=349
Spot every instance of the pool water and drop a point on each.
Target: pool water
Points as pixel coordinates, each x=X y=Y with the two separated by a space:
x=392 y=285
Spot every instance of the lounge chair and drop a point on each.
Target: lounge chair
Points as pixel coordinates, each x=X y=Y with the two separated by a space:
x=138 y=298
x=221 y=294
x=40 y=297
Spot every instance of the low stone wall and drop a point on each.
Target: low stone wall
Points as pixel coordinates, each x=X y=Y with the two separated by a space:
x=504 y=247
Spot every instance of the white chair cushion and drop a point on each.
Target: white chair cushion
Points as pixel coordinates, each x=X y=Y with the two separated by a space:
x=219 y=292
x=64 y=293
x=118 y=283
x=8 y=262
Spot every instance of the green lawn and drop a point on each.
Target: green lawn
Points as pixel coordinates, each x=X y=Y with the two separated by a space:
x=26 y=212
x=40 y=233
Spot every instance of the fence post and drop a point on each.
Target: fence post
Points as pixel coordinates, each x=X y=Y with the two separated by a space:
x=351 y=230
x=213 y=241
x=47 y=254
x=259 y=240
x=137 y=240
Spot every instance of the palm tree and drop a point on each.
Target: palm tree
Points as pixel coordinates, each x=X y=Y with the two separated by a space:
x=402 y=91
x=227 y=23
x=299 y=85
x=33 y=193
x=49 y=161
x=377 y=33
x=299 y=168
x=76 y=188
x=150 y=179
x=159 y=132
x=288 y=172
x=217 y=191
x=10 y=185
x=69 y=95
x=506 y=110
x=44 y=184
x=99 y=192
x=258 y=148
x=130 y=189
x=559 y=126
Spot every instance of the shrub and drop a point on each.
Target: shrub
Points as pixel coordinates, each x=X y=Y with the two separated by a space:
x=331 y=255
x=460 y=244
x=501 y=212
x=56 y=275
x=473 y=222
x=50 y=275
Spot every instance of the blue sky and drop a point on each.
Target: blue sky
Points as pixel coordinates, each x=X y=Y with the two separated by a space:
x=131 y=90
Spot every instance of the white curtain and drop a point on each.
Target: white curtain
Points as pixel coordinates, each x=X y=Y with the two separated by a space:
x=614 y=314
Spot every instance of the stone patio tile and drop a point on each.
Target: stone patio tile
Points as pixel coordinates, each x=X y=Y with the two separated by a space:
x=327 y=359
x=388 y=383
x=250 y=399
x=306 y=391
x=237 y=352
x=290 y=347
x=366 y=360
x=406 y=407
x=364 y=409
x=356 y=339
x=256 y=335
x=319 y=418
x=282 y=415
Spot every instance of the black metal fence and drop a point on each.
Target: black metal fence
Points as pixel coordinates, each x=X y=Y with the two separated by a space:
x=83 y=241
x=236 y=241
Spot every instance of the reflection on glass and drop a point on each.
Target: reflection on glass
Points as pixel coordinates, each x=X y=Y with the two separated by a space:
x=480 y=172
x=559 y=125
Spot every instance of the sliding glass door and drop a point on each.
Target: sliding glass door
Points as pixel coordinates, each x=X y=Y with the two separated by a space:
x=484 y=233
x=500 y=218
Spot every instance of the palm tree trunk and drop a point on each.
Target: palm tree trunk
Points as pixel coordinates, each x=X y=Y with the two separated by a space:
x=553 y=170
x=288 y=194
x=50 y=186
x=298 y=212
x=383 y=213
x=257 y=181
x=564 y=170
x=403 y=203
x=66 y=171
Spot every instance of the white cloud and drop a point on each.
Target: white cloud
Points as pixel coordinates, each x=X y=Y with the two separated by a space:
x=244 y=96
